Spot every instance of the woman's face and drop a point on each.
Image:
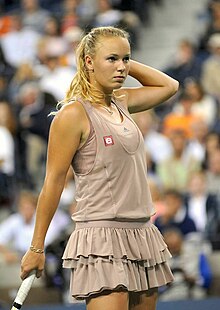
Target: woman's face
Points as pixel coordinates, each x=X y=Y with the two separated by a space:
x=110 y=65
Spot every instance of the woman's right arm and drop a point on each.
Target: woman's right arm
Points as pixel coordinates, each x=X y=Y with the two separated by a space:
x=66 y=134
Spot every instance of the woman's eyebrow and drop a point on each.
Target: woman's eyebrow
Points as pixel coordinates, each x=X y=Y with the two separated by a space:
x=117 y=55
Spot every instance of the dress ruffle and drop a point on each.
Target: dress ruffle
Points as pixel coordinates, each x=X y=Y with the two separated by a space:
x=108 y=258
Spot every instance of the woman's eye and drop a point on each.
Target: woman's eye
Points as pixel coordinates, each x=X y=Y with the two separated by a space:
x=126 y=59
x=112 y=59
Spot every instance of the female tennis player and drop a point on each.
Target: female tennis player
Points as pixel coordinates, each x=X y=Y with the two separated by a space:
x=117 y=257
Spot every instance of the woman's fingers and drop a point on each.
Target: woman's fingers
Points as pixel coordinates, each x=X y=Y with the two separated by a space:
x=32 y=261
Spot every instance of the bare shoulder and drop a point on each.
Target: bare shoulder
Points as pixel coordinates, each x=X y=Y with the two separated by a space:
x=70 y=112
x=70 y=117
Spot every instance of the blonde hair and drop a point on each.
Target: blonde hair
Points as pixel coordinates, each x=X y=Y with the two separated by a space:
x=80 y=85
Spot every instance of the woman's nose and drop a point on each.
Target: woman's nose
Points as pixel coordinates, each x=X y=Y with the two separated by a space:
x=121 y=66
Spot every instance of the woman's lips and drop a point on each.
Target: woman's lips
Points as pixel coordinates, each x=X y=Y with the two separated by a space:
x=119 y=77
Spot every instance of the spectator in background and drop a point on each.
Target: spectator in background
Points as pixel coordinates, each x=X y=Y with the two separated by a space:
x=20 y=39
x=202 y=206
x=24 y=74
x=16 y=231
x=6 y=70
x=185 y=64
x=72 y=36
x=212 y=143
x=190 y=267
x=52 y=44
x=8 y=118
x=181 y=117
x=205 y=106
x=7 y=157
x=107 y=15
x=6 y=168
x=55 y=274
x=211 y=68
x=196 y=146
x=34 y=107
x=55 y=74
x=69 y=14
x=33 y=16
x=157 y=145
x=151 y=168
x=175 y=214
x=4 y=93
x=175 y=171
x=213 y=173
x=54 y=40
x=40 y=63
x=157 y=197
x=213 y=25
x=68 y=193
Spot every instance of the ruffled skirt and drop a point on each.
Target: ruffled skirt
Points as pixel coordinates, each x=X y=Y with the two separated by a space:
x=107 y=255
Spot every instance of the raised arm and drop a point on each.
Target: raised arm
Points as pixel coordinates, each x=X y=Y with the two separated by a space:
x=156 y=87
x=66 y=134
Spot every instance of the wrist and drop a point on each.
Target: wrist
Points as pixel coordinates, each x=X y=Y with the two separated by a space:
x=36 y=250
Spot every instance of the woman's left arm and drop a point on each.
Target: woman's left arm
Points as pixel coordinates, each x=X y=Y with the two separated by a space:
x=156 y=87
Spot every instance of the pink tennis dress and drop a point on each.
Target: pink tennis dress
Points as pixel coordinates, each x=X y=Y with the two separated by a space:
x=114 y=244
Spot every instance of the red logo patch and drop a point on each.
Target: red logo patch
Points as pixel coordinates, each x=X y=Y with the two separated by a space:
x=108 y=140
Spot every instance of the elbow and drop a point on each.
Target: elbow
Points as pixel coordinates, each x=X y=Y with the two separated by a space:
x=176 y=86
x=173 y=87
x=55 y=181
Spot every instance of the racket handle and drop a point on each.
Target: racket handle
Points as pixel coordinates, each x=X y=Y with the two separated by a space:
x=24 y=290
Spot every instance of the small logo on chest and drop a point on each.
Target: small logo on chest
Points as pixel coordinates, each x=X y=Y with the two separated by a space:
x=126 y=129
x=108 y=140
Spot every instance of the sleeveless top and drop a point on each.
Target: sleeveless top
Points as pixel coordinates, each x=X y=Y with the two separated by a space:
x=110 y=171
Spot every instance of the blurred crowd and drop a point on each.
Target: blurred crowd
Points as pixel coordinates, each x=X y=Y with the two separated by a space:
x=182 y=136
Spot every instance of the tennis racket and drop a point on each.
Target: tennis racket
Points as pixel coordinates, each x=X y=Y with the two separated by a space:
x=23 y=291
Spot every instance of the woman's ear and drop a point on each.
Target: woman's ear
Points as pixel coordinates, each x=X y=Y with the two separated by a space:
x=89 y=63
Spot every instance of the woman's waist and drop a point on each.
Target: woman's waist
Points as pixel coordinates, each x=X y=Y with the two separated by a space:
x=110 y=211
x=115 y=223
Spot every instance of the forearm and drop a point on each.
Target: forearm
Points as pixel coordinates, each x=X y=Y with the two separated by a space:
x=149 y=76
x=157 y=87
x=47 y=204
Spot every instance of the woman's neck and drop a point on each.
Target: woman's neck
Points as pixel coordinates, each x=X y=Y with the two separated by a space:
x=107 y=99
